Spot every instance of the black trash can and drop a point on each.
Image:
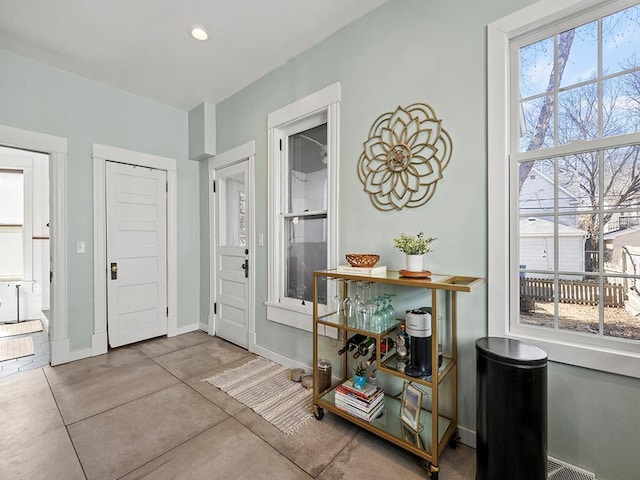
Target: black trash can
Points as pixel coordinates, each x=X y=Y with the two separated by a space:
x=511 y=401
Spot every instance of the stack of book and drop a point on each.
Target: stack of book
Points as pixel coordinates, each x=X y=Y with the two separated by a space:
x=365 y=403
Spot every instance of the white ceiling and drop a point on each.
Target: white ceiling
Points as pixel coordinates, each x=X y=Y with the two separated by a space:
x=144 y=46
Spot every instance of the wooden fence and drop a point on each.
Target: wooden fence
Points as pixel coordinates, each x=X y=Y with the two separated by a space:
x=584 y=293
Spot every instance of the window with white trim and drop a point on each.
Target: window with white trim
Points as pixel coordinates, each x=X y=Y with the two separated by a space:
x=303 y=140
x=567 y=127
x=12 y=219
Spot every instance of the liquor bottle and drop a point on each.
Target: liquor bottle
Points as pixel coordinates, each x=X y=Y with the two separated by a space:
x=352 y=343
x=365 y=347
x=386 y=345
x=372 y=358
x=403 y=345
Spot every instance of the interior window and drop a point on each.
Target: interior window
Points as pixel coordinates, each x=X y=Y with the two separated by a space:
x=11 y=224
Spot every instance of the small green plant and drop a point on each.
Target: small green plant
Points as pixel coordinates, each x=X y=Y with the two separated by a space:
x=413 y=244
x=359 y=370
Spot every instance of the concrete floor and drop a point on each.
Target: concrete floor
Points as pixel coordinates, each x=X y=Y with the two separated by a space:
x=143 y=411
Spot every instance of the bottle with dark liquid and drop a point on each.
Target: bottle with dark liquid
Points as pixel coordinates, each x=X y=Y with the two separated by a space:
x=352 y=343
x=364 y=348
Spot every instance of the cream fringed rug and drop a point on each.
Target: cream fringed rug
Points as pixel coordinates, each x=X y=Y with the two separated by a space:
x=16 y=348
x=11 y=329
x=265 y=387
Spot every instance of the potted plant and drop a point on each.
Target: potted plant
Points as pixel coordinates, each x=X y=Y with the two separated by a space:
x=414 y=247
x=359 y=375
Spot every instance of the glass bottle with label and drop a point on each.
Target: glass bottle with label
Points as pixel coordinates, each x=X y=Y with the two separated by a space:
x=403 y=348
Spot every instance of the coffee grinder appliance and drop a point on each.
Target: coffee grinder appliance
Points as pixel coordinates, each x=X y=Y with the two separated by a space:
x=418 y=326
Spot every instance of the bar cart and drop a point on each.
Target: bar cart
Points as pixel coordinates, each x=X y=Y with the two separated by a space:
x=437 y=414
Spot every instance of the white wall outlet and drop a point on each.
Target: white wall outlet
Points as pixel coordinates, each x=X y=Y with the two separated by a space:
x=80 y=247
x=261 y=239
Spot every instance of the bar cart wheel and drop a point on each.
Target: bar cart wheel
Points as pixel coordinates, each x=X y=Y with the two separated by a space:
x=318 y=412
x=432 y=471
x=453 y=441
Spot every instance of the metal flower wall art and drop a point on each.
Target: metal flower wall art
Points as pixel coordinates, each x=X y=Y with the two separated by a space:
x=404 y=157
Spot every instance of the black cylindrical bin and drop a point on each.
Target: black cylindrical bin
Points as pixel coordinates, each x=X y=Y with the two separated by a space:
x=511 y=401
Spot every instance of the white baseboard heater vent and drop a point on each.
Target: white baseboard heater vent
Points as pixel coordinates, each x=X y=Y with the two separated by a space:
x=558 y=470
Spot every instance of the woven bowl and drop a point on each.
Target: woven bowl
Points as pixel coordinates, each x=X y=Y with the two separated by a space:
x=362 y=259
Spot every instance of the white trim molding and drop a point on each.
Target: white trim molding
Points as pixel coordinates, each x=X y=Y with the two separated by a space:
x=302 y=113
x=500 y=237
x=56 y=148
x=101 y=154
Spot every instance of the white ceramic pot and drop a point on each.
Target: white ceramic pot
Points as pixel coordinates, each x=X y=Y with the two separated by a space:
x=414 y=263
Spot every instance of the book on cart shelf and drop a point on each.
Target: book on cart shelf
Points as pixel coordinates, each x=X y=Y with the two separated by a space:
x=368 y=417
x=380 y=270
x=365 y=403
x=366 y=391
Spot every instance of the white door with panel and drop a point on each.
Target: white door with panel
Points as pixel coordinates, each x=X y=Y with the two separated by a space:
x=232 y=253
x=136 y=253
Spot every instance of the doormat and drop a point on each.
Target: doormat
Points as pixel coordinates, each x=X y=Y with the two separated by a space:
x=11 y=329
x=265 y=387
x=16 y=348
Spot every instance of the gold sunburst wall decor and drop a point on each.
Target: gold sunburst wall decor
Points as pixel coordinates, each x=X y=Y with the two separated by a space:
x=404 y=157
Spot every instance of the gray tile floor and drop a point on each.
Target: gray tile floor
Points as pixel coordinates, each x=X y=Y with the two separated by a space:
x=143 y=411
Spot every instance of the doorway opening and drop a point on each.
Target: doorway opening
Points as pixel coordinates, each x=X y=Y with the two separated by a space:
x=25 y=259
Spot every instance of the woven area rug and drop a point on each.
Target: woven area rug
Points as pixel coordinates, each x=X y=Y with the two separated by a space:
x=11 y=329
x=265 y=387
x=16 y=348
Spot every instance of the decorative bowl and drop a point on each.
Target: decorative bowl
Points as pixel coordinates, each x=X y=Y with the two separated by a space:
x=362 y=259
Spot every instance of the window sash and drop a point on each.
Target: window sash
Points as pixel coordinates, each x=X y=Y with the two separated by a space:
x=320 y=107
x=545 y=17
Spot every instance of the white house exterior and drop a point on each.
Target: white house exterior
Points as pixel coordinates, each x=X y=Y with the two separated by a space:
x=537 y=247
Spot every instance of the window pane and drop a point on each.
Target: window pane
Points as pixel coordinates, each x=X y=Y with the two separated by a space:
x=622 y=177
x=578 y=114
x=536 y=123
x=11 y=256
x=579 y=182
x=11 y=222
x=536 y=67
x=235 y=211
x=622 y=302
x=621 y=111
x=578 y=298
x=537 y=188
x=621 y=40
x=571 y=243
x=11 y=197
x=536 y=300
x=306 y=252
x=582 y=62
x=308 y=170
x=537 y=246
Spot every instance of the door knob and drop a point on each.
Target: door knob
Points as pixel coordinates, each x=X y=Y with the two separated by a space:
x=114 y=271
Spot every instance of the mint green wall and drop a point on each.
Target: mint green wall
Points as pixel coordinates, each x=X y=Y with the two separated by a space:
x=37 y=97
x=435 y=52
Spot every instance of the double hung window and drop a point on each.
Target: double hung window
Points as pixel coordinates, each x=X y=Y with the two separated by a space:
x=564 y=149
x=303 y=204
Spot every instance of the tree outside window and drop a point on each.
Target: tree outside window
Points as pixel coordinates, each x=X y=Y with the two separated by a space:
x=578 y=167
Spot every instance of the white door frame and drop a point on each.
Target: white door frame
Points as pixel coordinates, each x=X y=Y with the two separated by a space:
x=101 y=154
x=56 y=148
x=238 y=154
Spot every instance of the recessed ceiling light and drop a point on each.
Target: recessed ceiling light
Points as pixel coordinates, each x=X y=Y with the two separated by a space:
x=199 y=33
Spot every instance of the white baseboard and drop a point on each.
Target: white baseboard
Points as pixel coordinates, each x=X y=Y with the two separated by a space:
x=279 y=359
x=99 y=343
x=467 y=436
x=60 y=351
x=79 y=354
x=185 y=329
x=204 y=327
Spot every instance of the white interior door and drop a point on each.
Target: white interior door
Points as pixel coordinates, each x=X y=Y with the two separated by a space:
x=136 y=253
x=232 y=253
